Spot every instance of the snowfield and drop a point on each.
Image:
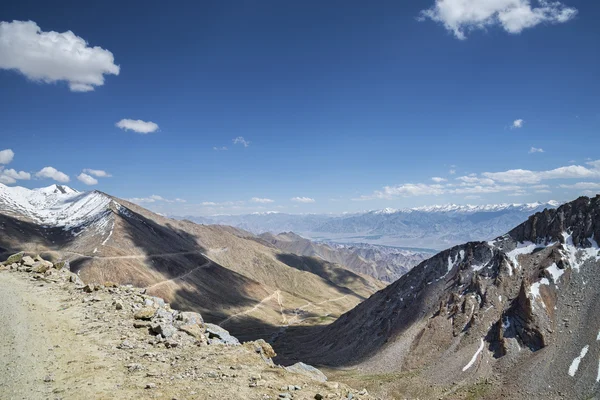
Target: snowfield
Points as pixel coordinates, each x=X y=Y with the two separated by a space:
x=57 y=206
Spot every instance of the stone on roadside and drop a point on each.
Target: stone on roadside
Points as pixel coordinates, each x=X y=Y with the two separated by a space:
x=15 y=258
x=28 y=261
x=62 y=264
x=145 y=313
x=307 y=370
x=194 y=331
x=218 y=335
x=41 y=266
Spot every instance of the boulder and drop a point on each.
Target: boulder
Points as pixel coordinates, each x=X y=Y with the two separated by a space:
x=163 y=328
x=41 y=266
x=62 y=264
x=145 y=313
x=307 y=370
x=190 y=318
x=218 y=335
x=194 y=331
x=262 y=347
x=15 y=258
x=28 y=261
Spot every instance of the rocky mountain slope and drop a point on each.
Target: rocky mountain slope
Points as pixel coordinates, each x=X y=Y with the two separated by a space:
x=512 y=317
x=61 y=339
x=231 y=276
x=381 y=262
x=434 y=227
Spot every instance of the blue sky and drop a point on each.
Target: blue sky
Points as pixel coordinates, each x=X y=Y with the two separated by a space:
x=342 y=105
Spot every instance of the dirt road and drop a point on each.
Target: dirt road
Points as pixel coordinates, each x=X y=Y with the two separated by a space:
x=40 y=350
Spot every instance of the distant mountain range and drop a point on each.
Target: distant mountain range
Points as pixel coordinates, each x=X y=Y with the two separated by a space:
x=432 y=227
x=382 y=262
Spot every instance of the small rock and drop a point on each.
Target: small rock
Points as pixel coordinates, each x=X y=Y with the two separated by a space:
x=15 y=258
x=318 y=396
x=145 y=313
x=48 y=378
x=142 y=324
x=126 y=345
x=28 y=261
x=118 y=304
x=41 y=266
x=150 y=385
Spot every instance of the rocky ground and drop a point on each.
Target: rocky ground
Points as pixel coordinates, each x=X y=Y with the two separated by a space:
x=62 y=339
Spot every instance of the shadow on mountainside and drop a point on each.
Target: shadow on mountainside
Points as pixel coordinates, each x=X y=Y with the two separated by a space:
x=339 y=277
x=18 y=235
x=174 y=267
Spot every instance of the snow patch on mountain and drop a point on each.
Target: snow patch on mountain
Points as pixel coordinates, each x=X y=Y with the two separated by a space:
x=56 y=206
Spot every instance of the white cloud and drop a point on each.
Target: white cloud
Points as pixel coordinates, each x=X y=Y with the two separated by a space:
x=21 y=175
x=302 y=200
x=535 y=150
x=242 y=141
x=6 y=156
x=137 y=125
x=154 y=199
x=582 y=186
x=594 y=164
x=517 y=123
x=516 y=181
x=526 y=176
x=53 y=173
x=437 y=179
x=462 y=16
x=98 y=173
x=452 y=172
x=261 y=200
x=474 y=180
x=10 y=176
x=88 y=180
x=472 y=197
x=223 y=148
x=51 y=56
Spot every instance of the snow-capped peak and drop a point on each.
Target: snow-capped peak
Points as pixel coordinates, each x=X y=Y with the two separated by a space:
x=56 y=189
x=56 y=205
x=469 y=208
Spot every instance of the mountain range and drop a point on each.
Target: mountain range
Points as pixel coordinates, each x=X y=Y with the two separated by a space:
x=381 y=262
x=232 y=277
x=512 y=317
x=432 y=227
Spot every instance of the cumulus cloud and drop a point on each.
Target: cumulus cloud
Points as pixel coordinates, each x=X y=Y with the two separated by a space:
x=52 y=56
x=242 y=141
x=582 y=186
x=6 y=156
x=137 y=125
x=474 y=180
x=462 y=16
x=302 y=200
x=522 y=176
x=533 y=150
x=437 y=179
x=222 y=148
x=515 y=181
x=10 y=176
x=86 y=179
x=154 y=199
x=517 y=123
x=98 y=173
x=52 y=173
x=261 y=200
